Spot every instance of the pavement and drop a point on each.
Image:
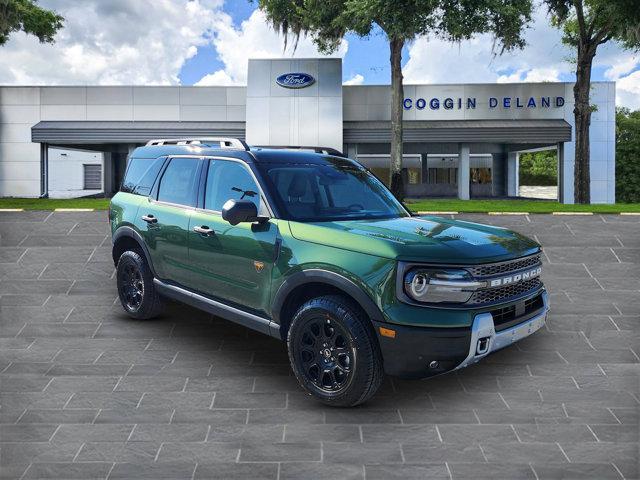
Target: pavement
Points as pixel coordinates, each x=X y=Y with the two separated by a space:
x=86 y=392
x=546 y=193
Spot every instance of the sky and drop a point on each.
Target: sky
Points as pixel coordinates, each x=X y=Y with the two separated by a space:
x=208 y=42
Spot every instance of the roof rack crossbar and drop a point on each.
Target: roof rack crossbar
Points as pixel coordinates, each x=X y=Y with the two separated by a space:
x=221 y=142
x=315 y=149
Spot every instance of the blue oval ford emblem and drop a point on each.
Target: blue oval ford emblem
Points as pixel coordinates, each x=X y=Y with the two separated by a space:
x=295 y=80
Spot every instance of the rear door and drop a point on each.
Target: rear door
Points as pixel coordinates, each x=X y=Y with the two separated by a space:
x=231 y=263
x=164 y=219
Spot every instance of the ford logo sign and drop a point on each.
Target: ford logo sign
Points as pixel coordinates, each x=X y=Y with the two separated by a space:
x=295 y=80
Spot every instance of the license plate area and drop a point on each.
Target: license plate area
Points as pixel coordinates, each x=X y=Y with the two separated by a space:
x=507 y=337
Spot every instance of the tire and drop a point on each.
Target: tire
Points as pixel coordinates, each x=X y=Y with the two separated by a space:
x=334 y=352
x=140 y=301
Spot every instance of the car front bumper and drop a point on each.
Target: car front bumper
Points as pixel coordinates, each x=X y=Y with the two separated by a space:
x=420 y=352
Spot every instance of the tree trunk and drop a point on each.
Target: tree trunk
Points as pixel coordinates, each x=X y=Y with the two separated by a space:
x=582 y=114
x=397 y=97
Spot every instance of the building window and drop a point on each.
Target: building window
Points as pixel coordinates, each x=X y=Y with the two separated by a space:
x=413 y=176
x=92 y=177
x=480 y=175
x=382 y=174
x=443 y=176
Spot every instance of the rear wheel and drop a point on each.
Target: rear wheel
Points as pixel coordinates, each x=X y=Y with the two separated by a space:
x=136 y=290
x=333 y=351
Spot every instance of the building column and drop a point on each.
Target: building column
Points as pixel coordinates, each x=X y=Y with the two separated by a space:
x=108 y=173
x=498 y=174
x=513 y=172
x=463 y=171
x=44 y=170
x=424 y=173
x=130 y=149
x=352 y=150
x=561 y=173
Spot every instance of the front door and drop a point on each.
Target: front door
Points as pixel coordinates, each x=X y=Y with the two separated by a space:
x=231 y=263
x=164 y=219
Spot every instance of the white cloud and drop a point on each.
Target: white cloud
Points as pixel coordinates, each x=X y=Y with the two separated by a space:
x=216 y=78
x=622 y=65
x=628 y=91
x=253 y=39
x=357 y=79
x=142 y=42
x=432 y=60
x=625 y=70
x=531 y=75
x=544 y=59
x=114 y=42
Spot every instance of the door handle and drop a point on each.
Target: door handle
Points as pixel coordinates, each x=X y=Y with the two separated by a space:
x=149 y=218
x=204 y=230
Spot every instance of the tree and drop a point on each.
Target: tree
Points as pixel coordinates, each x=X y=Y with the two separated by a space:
x=28 y=17
x=627 y=156
x=539 y=168
x=327 y=22
x=587 y=24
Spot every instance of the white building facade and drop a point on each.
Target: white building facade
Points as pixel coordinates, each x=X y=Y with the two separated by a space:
x=460 y=140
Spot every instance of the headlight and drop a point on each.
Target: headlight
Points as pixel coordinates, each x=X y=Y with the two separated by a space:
x=432 y=285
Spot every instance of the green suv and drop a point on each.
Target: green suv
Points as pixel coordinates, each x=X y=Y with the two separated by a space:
x=311 y=248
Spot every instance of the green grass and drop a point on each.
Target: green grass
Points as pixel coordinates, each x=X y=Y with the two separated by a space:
x=51 y=204
x=531 y=206
x=449 y=205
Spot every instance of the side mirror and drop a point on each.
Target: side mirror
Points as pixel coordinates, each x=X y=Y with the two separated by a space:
x=238 y=211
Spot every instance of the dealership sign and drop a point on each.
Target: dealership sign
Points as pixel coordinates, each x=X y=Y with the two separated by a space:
x=469 y=103
x=295 y=80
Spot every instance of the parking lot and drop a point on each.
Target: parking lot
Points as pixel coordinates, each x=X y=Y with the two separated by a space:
x=87 y=393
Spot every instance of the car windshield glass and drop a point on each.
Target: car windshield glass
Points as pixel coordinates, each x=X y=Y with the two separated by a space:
x=338 y=189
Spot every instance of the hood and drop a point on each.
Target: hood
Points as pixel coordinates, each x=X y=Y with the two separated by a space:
x=425 y=239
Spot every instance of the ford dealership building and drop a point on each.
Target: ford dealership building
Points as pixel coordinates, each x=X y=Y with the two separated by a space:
x=459 y=139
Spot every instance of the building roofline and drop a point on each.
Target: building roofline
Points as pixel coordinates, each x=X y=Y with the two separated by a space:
x=343 y=85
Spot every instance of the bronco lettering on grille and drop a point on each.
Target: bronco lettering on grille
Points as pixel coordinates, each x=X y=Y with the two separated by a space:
x=498 y=282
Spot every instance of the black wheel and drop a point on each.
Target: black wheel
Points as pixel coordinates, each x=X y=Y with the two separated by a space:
x=136 y=290
x=333 y=351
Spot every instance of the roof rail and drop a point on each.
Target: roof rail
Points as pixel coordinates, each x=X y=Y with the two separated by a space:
x=221 y=142
x=325 y=150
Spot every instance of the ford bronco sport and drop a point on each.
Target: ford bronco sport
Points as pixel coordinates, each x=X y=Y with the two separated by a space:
x=312 y=249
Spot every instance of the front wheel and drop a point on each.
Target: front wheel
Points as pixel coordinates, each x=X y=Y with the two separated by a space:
x=333 y=351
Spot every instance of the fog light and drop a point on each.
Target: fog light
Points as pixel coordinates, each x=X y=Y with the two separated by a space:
x=434 y=364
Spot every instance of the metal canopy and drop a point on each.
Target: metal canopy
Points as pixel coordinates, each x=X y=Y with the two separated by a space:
x=58 y=132
x=476 y=131
x=440 y=131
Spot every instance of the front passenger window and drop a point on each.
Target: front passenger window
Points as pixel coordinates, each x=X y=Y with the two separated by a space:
x=179 y=182
x=227 y=180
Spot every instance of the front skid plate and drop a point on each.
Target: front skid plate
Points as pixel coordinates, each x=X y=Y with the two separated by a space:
x=485 y=339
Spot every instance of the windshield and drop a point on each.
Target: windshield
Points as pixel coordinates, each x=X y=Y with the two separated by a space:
x=337 y=190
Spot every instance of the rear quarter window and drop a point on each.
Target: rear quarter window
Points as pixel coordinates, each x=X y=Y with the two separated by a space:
x=141 y=174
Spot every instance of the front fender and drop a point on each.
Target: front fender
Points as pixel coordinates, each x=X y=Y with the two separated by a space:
x=318 y=275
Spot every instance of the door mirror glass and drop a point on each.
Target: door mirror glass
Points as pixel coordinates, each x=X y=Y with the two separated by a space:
x=238 y=211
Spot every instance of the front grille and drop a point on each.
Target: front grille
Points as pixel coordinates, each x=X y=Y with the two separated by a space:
x=504 y=267
x=505 y=317
x=493 y=295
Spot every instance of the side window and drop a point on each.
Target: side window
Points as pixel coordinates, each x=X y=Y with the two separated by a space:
x=228 y=180
x=141 y=175
x=179 y=182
